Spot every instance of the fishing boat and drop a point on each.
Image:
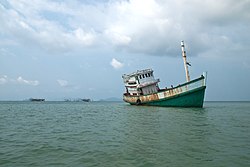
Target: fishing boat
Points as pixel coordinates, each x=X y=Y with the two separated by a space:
x=143 y=89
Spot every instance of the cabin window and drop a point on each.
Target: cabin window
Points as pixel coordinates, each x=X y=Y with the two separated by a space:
x=143 y=75
x=132 y=83
x=140 y=76
x=148 y=74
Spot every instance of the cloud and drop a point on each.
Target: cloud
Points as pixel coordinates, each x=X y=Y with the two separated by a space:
x=116 y=64
x=87 y=38
x=20 y=80
x=117 y=38
x=67 y=85
x=6 y=52
x=152 y=27
x=30 y=23
x=3 y=80
x=63 y=83
x=208 y=27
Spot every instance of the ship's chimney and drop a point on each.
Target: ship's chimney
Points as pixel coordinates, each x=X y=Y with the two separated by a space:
x=185 y=61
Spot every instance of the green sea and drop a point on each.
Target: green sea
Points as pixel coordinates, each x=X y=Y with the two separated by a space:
x=108 y=134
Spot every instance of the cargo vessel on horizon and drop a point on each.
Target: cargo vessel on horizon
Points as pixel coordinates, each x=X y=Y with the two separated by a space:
x=36 y=99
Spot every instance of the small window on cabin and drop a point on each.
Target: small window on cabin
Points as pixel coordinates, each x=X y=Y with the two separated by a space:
x=136 y=77
x=143 y=75
x=140 y=76
x=132 y=83
x=148 y=74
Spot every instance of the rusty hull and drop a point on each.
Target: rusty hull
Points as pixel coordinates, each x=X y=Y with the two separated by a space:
x=166 y=93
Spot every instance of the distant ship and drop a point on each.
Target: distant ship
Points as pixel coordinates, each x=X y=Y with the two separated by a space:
x=77 y=100
x=142 y=89
x=34 y=99
x=85 y=100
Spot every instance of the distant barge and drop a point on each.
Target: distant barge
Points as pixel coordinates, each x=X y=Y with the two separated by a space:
x=143 y=89
x=34 y=99
x=77 y=100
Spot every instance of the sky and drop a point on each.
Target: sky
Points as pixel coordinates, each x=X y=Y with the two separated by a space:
x=57 y=49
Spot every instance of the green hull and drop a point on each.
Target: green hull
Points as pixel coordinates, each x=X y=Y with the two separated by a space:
x=192 y=98
x=189 y=94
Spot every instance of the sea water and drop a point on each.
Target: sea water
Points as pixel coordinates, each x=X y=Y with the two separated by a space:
x=117 y=134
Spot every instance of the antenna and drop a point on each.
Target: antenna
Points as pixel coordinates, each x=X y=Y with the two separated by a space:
x=185 y=61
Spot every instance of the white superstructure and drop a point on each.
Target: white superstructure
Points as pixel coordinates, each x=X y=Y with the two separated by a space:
x=141 y=82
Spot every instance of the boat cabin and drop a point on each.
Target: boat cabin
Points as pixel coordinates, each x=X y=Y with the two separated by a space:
x=141 y=82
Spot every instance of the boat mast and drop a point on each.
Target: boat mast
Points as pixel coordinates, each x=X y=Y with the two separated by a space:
x=185 y=61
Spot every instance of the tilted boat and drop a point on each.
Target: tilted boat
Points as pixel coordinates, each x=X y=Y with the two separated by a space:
x=142 y=89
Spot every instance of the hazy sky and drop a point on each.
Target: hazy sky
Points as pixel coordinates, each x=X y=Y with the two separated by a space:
x=69 y=49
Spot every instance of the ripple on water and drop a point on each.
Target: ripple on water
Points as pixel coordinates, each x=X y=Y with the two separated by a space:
x=116 y=134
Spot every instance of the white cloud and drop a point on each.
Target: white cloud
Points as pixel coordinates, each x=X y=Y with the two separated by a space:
x=27 y=82
x=28 y=23
x=20 y=80
x=63 y=83
x=149 y=27
x=3 y=80
x=6 y=52
x=84 y=37
x=116 y=64
x=67 y=85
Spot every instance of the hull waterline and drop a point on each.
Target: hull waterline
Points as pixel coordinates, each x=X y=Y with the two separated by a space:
x=190 y=94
